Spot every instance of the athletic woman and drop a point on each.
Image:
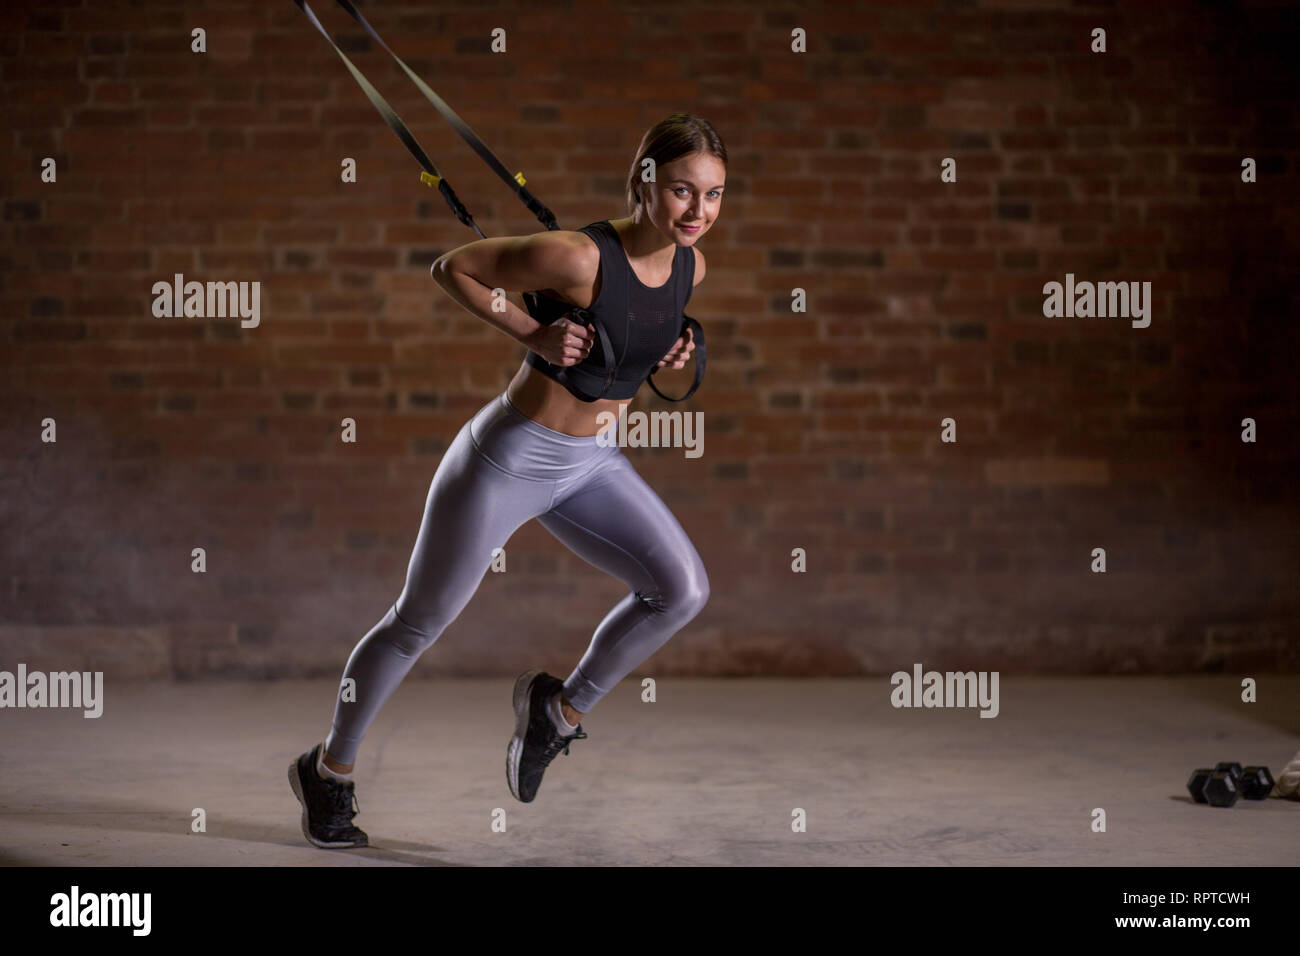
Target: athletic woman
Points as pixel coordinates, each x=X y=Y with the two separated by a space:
x=534 y=452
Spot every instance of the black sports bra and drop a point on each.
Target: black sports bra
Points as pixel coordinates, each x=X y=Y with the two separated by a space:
x=641 y=323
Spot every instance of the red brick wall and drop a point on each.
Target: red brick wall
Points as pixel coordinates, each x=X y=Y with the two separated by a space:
x=822 y=429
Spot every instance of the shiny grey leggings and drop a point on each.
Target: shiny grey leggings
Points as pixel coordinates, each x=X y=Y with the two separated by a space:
x=502 y=469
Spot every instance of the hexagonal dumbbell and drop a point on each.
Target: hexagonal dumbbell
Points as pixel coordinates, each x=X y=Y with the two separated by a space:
x=1231 y=767
x=1218 y=788
x=1222 y=786
x=1256 y=783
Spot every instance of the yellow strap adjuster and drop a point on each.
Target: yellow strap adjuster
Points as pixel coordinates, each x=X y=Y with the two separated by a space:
x=430 y=180
x=519 y=178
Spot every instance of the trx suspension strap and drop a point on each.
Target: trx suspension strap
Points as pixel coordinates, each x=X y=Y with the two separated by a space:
x=431 y=177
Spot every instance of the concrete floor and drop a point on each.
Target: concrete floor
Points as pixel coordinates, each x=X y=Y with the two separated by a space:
x=709 y=774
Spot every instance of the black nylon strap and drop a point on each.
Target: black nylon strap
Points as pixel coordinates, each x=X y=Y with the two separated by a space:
x=395 y=123
x=533 y=301
x=544 y=215
x=697 y=336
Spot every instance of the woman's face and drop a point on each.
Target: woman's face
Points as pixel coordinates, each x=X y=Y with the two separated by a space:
x=686 y=196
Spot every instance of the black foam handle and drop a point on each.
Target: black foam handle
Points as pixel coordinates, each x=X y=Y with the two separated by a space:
x=701 y=356
x=538 y=306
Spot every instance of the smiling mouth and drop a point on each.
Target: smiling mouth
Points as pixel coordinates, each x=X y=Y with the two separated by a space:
x=682 y=225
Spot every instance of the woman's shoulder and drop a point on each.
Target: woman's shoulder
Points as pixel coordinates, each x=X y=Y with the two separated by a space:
x=571 y=252
x=568 y=262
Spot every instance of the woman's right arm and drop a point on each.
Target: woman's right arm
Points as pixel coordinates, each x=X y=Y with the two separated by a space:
x=545 y=260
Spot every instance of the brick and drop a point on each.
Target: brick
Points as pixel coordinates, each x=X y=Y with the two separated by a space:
x=925 y=300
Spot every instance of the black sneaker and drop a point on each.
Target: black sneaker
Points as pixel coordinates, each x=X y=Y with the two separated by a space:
x=536 y=740
x=327 y=805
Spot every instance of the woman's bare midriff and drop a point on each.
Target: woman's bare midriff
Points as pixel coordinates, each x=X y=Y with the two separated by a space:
x=549 y=403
